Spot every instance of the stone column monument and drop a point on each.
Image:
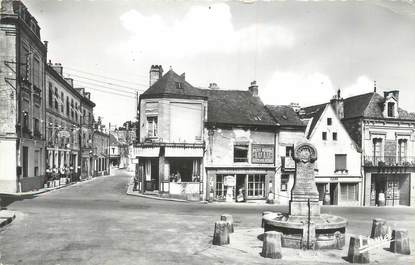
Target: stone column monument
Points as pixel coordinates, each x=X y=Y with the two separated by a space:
x=305 y=189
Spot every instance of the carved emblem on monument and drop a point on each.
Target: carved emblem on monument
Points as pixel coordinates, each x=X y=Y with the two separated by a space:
x=305 y=152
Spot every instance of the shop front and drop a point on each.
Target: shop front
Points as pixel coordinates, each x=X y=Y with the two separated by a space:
x=342 y=191
x=390 y=189
x=170 y=171
x=239 y=183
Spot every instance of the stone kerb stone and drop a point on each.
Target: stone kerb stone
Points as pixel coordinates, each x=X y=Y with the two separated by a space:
x=271 y=247
x=355 y=255
x=221 y=234
x=229 y=220
x=400 y=242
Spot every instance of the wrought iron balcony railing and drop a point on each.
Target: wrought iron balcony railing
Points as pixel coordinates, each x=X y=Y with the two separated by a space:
x=390 y=161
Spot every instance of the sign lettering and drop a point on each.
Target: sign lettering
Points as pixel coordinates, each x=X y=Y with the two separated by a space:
x=262 y=154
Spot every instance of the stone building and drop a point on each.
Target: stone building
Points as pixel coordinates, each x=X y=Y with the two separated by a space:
x=22 y=99
x=170 y=136
x=338 y=171
x=101 y=151
x=386 y=134
x=63 y=117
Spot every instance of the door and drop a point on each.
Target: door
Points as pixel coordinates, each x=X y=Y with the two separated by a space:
x=404 y=184
x=240 y=188
x=155 y=173
x=334 y=195
x=25 y=161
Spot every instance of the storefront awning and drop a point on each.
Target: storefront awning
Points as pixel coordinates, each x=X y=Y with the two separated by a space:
x=183 y=152
x=146 y=151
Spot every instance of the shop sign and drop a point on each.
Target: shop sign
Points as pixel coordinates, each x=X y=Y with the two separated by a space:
x=230 y=181
x=262 y=154
x=135 y=161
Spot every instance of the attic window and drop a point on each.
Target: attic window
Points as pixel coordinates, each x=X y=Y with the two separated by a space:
x=391 y=109
x=179 y=85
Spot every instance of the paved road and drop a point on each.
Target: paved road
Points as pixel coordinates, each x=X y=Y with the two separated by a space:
x=97 y=223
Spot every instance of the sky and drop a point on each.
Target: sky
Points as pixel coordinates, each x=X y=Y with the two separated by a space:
x=298 y=52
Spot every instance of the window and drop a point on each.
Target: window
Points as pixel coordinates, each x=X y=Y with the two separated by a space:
x=391 y=109
x=50 y=95
x=289 y=151
x=334 y=136
x=179 y=85
x=240 y=153
x=62 y=100
x=36 y=163
x=349 y=191
x=377 y=149
x=36 y=72
x=284 y=182
x=324 y=136
x=26 y=120
x=36 y=125
x=56 y=99
x=340 y=162
x=67 y=106
x=113 y=150
x=152 y=126
x=402 y=149
x=256 y=185
x=329 y=121
x=220 y=189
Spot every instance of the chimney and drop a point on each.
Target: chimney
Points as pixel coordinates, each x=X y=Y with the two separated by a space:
x=58 y=68
x=213 y=86
x=295 y=106
x=156 y=72
x=337 y=104
x=69 y=80
x=253 y=88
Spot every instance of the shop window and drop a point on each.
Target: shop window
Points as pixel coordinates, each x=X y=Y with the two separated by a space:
x=284 y=182
x=324 y=136
x=349 y=191
x=256 y=185
x=340 y=162
x=329 y=121
x=220 y=188
x=184 y=170
x=240 y=153
x=334 y=136
x=152 y=123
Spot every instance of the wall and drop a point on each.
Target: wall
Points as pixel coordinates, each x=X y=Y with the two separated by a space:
x=162 y=109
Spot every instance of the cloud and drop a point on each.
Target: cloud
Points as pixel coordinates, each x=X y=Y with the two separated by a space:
x=201 y=30
x=307 y=89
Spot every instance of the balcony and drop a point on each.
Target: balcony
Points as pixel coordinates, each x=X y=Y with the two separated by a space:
x=287 y=163
x=389 y=161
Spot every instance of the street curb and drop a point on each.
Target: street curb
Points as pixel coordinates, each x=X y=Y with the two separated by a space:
x=6 y=217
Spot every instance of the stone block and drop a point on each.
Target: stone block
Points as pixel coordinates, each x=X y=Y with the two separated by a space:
x=271 y=247
x=309 y=236
x=221 y=234
x=355 y=254
x=300 y=208
x=380 y=228
x=400 y=242
x=229 y=219
x=264 y=213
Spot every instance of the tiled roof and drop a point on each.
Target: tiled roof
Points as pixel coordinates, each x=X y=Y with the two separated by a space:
x=362 y=105
x=172 y=85
x=314 y=113
x=285 y=115
x=236 y=107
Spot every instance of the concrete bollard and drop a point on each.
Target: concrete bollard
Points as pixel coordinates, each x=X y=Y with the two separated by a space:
x=400 y=242
x=355 y=255
x=380 y=228
x=229 y=219
x=263 y=214
x=221 y=233
x=271 y=247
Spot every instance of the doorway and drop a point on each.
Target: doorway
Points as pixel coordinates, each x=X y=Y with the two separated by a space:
x=240 y=186
x=25 y=161
x=155 y=174
x=334 y=193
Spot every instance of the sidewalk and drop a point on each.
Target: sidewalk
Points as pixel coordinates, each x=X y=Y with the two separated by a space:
x=6 y=217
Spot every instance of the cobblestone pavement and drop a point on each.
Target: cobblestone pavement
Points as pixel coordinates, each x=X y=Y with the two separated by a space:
x=97 y=223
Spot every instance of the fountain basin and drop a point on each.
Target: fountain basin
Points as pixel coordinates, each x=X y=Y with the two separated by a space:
x=322 y=232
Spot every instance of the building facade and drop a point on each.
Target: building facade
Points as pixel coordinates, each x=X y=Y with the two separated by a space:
x=338 y=168
x=386 y=134
x=101 y=153
x=63 y=119
x=22 y=99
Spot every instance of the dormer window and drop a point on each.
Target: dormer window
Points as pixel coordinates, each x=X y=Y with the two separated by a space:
x=179 y=85
x=391 y=109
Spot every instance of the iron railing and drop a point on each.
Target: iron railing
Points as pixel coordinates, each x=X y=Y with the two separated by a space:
x=390 y=161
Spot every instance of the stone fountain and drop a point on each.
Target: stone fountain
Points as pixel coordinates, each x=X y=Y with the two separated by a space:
x=304 y=227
